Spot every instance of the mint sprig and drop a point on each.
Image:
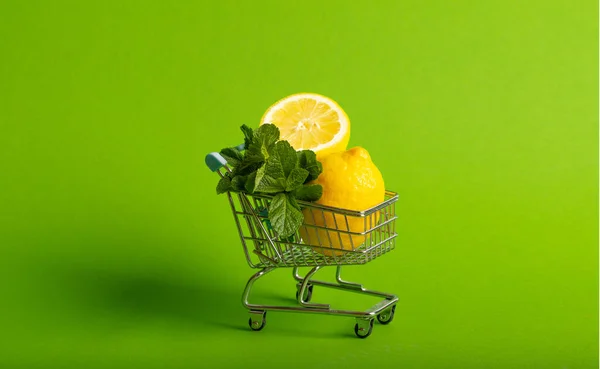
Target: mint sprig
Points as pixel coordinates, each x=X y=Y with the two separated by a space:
x=272 y=166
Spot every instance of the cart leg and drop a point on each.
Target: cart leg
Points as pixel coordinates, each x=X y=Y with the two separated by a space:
x=305 y=287
x=338 y=278
x=249 y=285
x=308 y=291
x=297 y=275
x=258 y=314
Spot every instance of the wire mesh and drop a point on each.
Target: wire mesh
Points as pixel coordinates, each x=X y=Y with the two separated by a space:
x=328 y=236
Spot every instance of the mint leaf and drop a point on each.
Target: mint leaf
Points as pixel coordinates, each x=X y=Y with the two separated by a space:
x=251 y=163
x=270 y=177
x=265 y=182
x=269 y=184
x=307 y=159
x=274 y=168
x=264 y=140
x=224 y=185
x=232 y=155
x=310 y=192
x=248 y=136
x=285 y=215
x=238 y=183
x=296 y=179
x=250 y=182
x=286 y=155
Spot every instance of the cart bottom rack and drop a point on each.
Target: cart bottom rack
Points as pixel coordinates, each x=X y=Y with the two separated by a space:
x=383 y=311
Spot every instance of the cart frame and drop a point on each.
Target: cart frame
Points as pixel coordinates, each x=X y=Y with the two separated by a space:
x=329 y=237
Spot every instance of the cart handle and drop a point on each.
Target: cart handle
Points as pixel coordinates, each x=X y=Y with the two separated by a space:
x=215 y=161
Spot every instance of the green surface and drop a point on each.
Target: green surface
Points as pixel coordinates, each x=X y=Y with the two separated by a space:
x=116 y=251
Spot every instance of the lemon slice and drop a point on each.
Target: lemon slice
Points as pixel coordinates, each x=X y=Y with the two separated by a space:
x=310 y=121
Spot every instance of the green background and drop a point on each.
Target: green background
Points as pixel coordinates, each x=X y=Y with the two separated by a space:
x=116 y=251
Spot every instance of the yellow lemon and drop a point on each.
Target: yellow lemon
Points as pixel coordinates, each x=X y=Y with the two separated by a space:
x=310 y=121
x=350 y=181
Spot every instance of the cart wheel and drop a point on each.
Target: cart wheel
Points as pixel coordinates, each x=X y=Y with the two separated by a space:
x=307 y=293
x=363 y=328
x=387 y=316
x=257 y=320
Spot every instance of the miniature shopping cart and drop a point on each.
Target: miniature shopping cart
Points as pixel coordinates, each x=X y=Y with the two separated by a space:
x=265 y=250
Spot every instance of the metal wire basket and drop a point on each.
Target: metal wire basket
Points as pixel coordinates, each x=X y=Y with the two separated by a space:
x=328 y=236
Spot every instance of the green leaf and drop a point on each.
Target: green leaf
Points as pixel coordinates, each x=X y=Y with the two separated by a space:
x=274 y=168
x=266 y=183
x=307 y=159
x=310 y=192
x=264 y=140
x=250 y=182
x=287 y=157
x=296 y=179
x=292 y=201
x=248 y=136
x=232 y=155
x=285 y=215
x=224 y=185
x=251 y=163
x=238 y=183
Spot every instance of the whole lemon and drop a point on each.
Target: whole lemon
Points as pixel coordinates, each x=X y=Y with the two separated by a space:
x=350 y=181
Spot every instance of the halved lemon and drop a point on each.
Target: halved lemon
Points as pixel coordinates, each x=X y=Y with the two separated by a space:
x=310 y=121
